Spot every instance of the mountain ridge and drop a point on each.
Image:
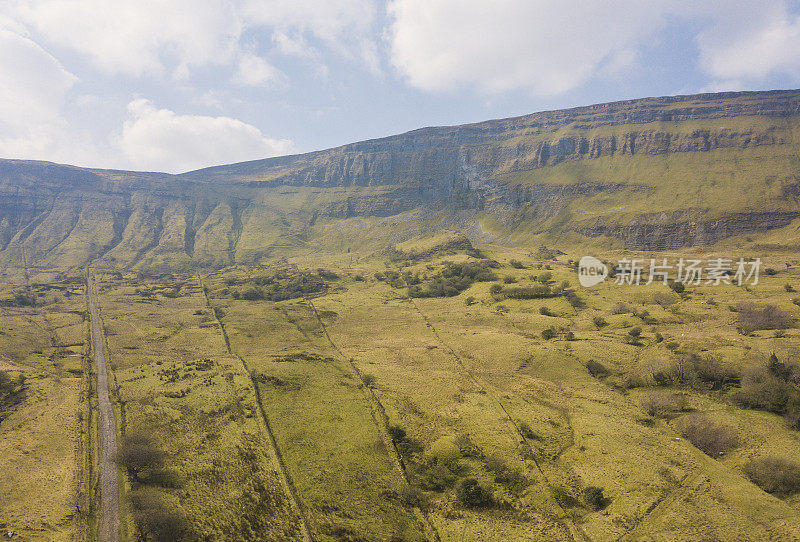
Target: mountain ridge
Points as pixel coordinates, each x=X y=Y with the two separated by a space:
x=652 y=174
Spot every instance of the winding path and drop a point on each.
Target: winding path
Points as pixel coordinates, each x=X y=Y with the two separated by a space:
x=108 y=525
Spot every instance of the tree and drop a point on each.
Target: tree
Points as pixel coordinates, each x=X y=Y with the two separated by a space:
x=470 y=493
x=156 y=518
x=138 y=454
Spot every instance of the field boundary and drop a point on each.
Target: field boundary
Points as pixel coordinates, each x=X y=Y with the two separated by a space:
x=283 y=472
x=575 y=531
x=379 y=413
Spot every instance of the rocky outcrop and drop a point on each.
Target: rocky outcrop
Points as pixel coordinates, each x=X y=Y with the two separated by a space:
x=55 y=216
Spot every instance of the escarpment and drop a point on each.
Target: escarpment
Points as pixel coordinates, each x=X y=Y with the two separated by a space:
x=654 y=174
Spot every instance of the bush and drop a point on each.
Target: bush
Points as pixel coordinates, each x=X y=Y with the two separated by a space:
x=470 y=493
x=444 y=451
x=369 y=380
x=511 y=479
x=599 y=321
x=156 y=519
x=788 y=287
x=526 y=431
x=516 y=264
x=509 y=279
x=453 y=279
x=711 y=438
x=658 y=403
x=634 y=335
x=549 y=333
x=138 y=454
x=569 y=336
x=326 y=274
x=774 y=474
x=664 y=299
x=436 y=478
x=594 y=498
x=12 y=392
x=762 y=390
x=752 y=318
x=677 y=287
x=252 y=294
x=413 y=497
x=470 y=300
x=620 y=308
x=397 y=433
x=563 y=496
x=596 y=369
x=544 y=311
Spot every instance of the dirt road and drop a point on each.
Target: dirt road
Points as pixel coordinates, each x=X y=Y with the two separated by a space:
x=108 y=525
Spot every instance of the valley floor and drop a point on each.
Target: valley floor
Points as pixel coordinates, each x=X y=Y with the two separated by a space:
x=355 y=412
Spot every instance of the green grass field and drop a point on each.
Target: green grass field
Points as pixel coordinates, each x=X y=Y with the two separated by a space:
x=336 y=374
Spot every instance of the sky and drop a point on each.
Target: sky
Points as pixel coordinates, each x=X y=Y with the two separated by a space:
x=176 y=85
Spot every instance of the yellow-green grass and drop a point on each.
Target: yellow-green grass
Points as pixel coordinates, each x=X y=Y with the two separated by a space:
x=43 y=440
x=323 y=422
x=203 y=416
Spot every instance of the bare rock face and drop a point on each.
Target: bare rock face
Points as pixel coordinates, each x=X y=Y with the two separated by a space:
x=57 y=216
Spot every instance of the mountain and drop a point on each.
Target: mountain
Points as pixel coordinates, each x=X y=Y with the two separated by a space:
x=649 y=174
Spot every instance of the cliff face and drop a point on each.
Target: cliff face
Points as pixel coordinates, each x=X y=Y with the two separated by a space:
x=657 y=173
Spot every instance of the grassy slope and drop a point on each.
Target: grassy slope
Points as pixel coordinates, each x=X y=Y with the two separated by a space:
x=41 y=442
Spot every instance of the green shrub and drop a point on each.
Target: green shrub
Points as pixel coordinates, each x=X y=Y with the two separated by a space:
x=436 y=478
x=12 y=392
x=397 y=433
x=677 y=287
x=594 y=498
x=516 y=264
x=413 y=497
x=620 y=308
x=762 y=390
x=470 y=493
x=544 y=311
x=563 y=496
x=596 y=369
x=549 y=333
x=509 y=279
x=252 y=294
x=599 y=322
x=526 y=431
x=512 y=479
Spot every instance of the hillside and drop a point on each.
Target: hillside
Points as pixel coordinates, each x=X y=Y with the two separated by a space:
x=655 y=173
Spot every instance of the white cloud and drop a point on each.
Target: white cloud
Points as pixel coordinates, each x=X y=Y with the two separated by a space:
x=137 y=37
x=161 y=140
x=553 y=46
x=345 y=26
x=544 y=46
x=33 y=87
x=254 y=71
x=749 y=42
